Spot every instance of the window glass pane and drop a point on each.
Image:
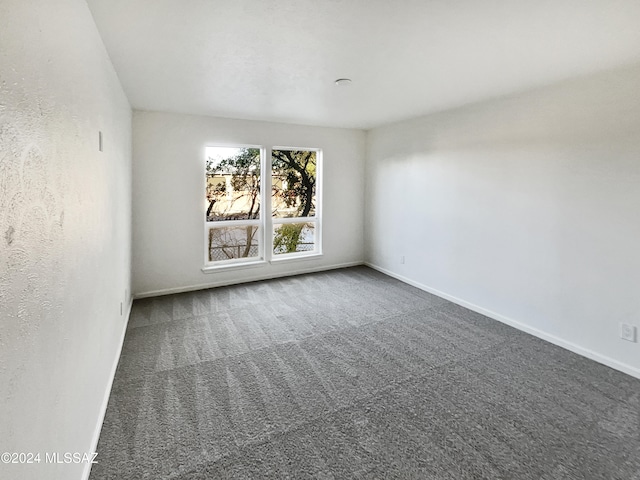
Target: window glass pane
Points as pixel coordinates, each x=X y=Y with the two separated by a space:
x=233 y=183
x=293 y=237
x=226 y=243
x=293 y=192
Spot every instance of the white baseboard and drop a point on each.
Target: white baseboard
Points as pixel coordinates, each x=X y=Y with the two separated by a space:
x=585 y=352
x=105 y=400
x=224 y=283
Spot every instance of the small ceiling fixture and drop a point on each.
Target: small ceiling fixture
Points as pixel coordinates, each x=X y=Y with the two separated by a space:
x=343 y=82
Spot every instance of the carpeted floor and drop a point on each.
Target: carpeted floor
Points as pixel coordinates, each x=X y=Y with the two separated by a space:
x=352 y=374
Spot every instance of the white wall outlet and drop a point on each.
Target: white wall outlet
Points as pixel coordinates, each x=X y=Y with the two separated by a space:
x=402 y=260
x=628 y=332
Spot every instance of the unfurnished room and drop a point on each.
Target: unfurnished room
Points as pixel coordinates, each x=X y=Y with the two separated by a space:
x=331 y=239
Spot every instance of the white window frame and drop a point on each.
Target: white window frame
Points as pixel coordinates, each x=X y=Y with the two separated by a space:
x=316 y=220
x=259 y=222
x=267 y=220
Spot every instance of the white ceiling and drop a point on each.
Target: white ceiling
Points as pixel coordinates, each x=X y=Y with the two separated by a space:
x=277 y=59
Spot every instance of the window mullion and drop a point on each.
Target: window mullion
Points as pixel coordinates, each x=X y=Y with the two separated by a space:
x=295 y=219
x=233 y=223
x=266 y=198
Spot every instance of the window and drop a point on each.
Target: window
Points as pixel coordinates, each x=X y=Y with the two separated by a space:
x=294 y=201
x=242 y=223
x=232 y=219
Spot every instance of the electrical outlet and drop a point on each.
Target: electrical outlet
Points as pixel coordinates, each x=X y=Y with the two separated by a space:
x=628 y=332
x=402 y=260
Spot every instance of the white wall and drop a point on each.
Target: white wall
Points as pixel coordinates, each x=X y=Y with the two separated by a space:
x=65 y=216
x=169 y=206
x=524 y=207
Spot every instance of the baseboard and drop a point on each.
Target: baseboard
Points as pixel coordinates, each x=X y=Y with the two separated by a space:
x=585 y=352
x=257 y=278
x=105 y=400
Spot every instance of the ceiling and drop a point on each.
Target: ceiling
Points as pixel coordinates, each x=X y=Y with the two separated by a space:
x=276 y=60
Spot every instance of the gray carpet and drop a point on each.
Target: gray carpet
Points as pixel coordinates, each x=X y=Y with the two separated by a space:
x=352 y=374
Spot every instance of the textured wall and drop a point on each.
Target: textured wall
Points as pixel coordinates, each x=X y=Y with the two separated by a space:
x=525 y=206
x=64 y=229
x=168 y=196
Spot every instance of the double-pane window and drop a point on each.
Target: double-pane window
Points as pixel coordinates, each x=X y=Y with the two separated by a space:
x=239 y=214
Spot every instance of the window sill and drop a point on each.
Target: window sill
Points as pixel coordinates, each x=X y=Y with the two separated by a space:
x=232 y=266
x=293 y=257
x=257 y=263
